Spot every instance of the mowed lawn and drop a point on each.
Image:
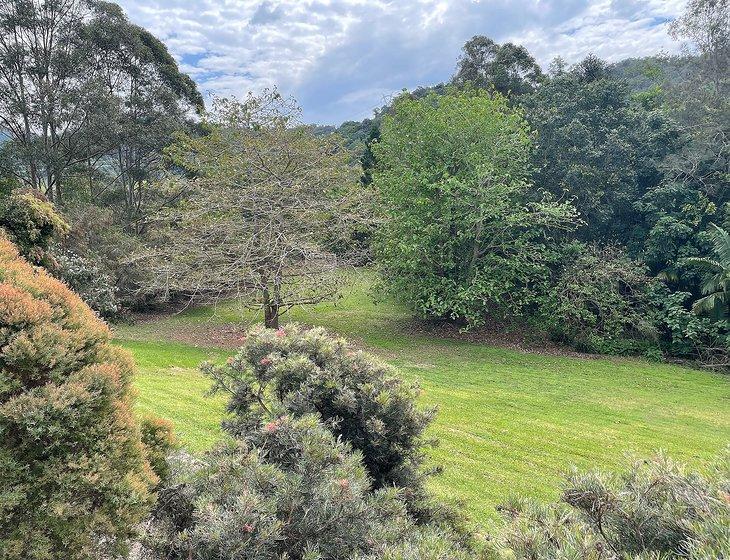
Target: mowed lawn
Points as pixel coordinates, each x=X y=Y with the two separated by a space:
x=509 y=422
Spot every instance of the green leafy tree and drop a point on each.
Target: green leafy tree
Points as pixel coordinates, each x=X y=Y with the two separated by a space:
x=154 y=99
x=80 y=84
x=508 y=69
x=599 y=147
x=465 y=233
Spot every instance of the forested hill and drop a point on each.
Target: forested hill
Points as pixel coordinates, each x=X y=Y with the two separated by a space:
x=641 y=74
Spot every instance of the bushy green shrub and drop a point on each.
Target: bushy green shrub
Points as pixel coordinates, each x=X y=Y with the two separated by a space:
x=288 y=489
x=600 y=302
x=686 y=335
x=32 y=223
x=74 y=480
x=85 y=277
x=102 y=243
x=301 y=371
x=656 y=509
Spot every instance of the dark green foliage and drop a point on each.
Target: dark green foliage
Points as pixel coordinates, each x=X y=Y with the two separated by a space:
x=289 y=489
x=686 y=335
x=598 y=147
x=368 y=157
x=656 y=509
x=465 y=233
x=600 y=301
x=716 y=285
x=295 y=371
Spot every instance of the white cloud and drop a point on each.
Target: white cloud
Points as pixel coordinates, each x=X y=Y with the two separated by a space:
x=341 y=58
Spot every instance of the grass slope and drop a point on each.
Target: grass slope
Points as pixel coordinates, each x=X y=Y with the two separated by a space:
x=508 y=422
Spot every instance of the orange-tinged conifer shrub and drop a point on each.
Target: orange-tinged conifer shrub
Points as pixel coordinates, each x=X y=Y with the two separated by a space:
x=74 y=479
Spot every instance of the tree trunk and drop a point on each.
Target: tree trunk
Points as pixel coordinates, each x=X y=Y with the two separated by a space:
x=271 y=311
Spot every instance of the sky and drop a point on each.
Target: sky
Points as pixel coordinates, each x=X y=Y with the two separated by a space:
x=340 y=59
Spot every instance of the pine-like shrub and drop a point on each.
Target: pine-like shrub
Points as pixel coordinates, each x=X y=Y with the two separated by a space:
x=656 y=509
x=289 y=489
x=298 y=371
x=73 y=475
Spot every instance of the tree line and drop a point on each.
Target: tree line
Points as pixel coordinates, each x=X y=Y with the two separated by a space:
x=585 y=203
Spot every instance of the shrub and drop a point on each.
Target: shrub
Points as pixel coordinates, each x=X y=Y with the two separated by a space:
x=102 y=243
x=298 y=371
x=600 y=301
x=31 y=222
x=289 y=489
x=73 y=476
x=656 y=509
x=686 y=335
x=87 y=278
x=159 y=441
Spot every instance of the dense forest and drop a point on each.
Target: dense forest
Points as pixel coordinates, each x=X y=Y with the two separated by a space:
x=584 y=204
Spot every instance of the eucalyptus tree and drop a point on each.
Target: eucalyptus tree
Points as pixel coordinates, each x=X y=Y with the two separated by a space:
x=508 y=69
x=52 y=103
x=87 y=98
x=155 y=100
x=266 y=202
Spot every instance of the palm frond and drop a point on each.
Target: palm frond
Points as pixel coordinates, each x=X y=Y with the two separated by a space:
x=721 y=244
x=707 y=264
x=705 y=305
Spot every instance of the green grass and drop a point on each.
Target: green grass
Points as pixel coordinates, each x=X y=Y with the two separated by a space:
x=508 y=422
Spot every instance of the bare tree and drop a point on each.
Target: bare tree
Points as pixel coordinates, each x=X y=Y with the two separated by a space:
x=267 y=201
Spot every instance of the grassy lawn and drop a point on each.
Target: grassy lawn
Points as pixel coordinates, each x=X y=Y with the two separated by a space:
x=508 y=422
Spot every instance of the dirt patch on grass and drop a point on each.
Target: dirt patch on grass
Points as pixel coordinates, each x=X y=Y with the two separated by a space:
x=209 y=333
x=497 y=335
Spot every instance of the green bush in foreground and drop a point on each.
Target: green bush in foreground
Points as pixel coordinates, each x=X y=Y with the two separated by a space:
x=299 y=371
x=288 y=489
x=655 y=509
